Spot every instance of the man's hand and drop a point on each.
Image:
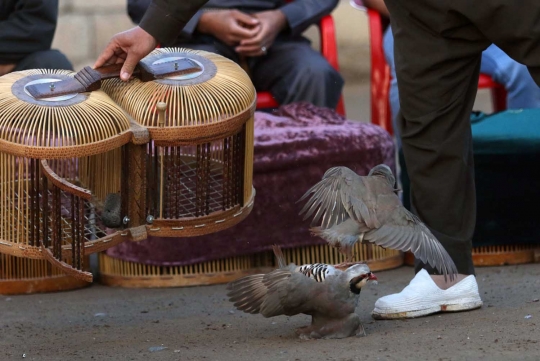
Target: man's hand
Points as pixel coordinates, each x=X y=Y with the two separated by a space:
x=229 y=26
x=127 y=47
x=6 y=68
x=272 y=23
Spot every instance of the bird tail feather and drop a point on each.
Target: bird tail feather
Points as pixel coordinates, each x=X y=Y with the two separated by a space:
x=247 y=293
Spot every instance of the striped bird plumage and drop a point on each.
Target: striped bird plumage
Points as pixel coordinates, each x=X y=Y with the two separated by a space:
x=316 y=271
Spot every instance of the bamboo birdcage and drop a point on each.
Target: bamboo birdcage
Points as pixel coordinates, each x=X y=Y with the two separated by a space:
x=79 y=175
x=198 y=165
x=49 y=150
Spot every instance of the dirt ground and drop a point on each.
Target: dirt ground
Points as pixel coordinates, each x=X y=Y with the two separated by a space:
x=199 y=323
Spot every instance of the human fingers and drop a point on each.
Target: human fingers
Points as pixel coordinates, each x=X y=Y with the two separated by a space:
x=131 y=45
x=257 y=41
x=130 y=63
x=244 y=18
x=108 y=55
x=240 y=32
x=252 y=50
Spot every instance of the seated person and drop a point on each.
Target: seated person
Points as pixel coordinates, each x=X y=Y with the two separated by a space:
x=26 y=33
x=520 y=86
x=266 y=35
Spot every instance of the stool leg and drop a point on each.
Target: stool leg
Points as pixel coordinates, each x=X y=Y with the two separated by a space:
x=498 y=97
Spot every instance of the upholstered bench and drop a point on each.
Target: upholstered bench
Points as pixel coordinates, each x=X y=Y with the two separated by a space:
x=293 y=149
x=507 y=157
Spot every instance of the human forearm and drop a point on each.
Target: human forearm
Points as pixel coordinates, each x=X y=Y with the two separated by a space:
x=6 y=68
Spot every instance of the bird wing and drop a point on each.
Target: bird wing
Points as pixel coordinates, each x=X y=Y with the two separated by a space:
x=339 y=195
x=250 y=293
x=403 y=231
x=289 y=297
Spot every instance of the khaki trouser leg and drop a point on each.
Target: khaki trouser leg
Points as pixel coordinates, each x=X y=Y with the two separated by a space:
x=437 y=96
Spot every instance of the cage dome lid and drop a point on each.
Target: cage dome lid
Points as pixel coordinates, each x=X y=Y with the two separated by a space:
x=214 y=101
x=73 y=125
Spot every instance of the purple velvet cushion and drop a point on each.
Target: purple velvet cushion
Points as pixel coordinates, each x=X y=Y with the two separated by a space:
x=293 y=149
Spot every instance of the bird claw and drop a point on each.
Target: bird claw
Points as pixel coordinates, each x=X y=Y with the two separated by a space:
x=362 y=333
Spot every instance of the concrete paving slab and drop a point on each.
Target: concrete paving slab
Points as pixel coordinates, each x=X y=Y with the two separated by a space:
x=199 y=323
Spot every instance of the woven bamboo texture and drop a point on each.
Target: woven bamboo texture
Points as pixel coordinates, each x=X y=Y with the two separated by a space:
x=500 y=255
x=117 y=272
x=198 y=167
x=93 y=126
x=49 y=209
x=214 y=101
x=25 y=276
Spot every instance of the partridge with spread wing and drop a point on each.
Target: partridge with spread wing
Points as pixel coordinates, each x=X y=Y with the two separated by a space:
x=352 y=208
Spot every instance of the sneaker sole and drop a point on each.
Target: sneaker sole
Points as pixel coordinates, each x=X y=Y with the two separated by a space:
x=461 y=306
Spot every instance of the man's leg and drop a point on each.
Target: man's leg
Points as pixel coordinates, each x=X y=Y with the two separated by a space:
x=437 y=79
x=514 y=26
x=294 y=72
x=46 y=59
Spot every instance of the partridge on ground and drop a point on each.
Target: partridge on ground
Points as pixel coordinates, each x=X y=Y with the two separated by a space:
x=326 y=293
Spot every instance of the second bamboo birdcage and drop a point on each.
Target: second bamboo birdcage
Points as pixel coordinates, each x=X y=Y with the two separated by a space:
x=194 y=176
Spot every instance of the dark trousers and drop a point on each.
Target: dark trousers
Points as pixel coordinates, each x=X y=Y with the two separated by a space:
x=46 y=59
x=291 y=70
x=438 y=45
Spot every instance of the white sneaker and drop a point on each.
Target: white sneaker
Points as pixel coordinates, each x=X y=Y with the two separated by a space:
x=423 y=297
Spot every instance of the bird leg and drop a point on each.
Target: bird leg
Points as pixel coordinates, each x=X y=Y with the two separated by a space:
x=349 y=257
x=347 y=250
x=363 y=333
